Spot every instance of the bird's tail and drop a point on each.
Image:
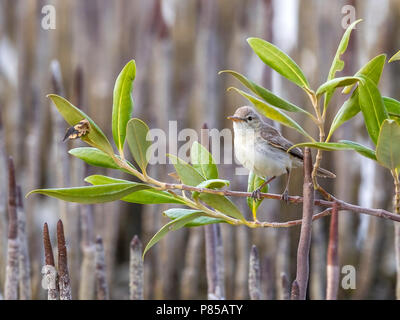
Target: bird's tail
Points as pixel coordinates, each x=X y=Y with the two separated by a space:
x=323 y=173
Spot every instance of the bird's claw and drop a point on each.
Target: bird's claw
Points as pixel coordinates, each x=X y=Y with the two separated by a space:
x=256 y=194
x=285 y=196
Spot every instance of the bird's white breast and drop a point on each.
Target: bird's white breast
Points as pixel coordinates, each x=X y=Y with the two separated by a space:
x=256 y=155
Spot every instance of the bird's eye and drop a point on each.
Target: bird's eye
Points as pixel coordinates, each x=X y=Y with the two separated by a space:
x=249 y=118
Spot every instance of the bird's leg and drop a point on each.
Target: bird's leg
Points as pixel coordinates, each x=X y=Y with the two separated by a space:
x=256 y=194
x=285 y=194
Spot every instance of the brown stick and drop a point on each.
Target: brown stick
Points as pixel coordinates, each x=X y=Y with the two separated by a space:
x=254 y=275
x=101 y=273
x=64 y=280
x=11 y=283
x=303 y=250
x=332 y=271
x=49 y=270
x=25 y=291
x=136 y=270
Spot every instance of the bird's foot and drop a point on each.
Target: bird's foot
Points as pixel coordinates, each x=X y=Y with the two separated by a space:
x=285 y=196
x=256 y=194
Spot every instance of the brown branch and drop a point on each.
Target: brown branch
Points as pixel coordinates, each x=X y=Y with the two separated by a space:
x=342 y=205
x=254 y=275
x=64 y=280
x=50 y=272
x=332 y=271
x=303 y=250
x=101 y=274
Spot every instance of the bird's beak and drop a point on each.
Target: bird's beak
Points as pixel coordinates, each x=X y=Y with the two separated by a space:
x=235 y=118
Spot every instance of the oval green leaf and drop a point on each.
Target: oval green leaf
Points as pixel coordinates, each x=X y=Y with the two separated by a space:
x=372 y=107
x=171 y=226
x=265 y=94
x=388 y=147
x=147 y=196
x=137 y=131
x=279 y=61
x=221 y=204
x=177 y=213
x=331 y=85
x=94 y=157
x=122 y=103
x=203 y=161
x=93 y=194
x=395 y=57
x=188 y=175
x=210 y=184
x=253 y=183
x=72 y=115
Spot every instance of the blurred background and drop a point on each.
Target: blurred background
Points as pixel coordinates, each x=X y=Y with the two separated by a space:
x=179 y=47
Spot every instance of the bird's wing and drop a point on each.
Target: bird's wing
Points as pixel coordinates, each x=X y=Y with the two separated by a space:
x=274 y=138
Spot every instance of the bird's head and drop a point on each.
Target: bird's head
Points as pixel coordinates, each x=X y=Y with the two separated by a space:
x=246 y=118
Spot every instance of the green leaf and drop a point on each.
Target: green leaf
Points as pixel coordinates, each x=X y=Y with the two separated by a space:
x=94 y=157
x=72 y=115
x=273 y=113
x=123 y=103
x=388 y=147
x=177 y=213
x=341 y=145
x=392 y=106
x=171 y=226
x=222 y=204
x=372 y=107
x=210 y=184
x=265 y=94
x=349 y=109
x=137 y=141
x=203 y=161
x=372 y=70
x=254 y=182
x=186 y=172
x=147 y=196
x=93 y=194
x=279 y=61
x=337 y=63
x=395 y=57
x=330 y=85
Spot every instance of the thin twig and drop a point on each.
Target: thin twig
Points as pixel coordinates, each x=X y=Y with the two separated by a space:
x=303 y=250
x=64 y=279
x=136 y=270
x=11 y=283
x=332 y=268
x=101 y=273
x=49 y=270
x=25 y=291
x=254 y=275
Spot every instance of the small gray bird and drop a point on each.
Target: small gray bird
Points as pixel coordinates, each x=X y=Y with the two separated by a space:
x=262 y=149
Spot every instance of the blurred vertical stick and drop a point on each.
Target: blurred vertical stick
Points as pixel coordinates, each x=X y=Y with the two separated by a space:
x=136 y=270
x=101 y=274
x=25 y=290
x=3 y=203
x=50 y=272
x=332 y=271
x=285 y=287
x=396 y=209
x=254 y=275
x=214 y=248
x=303 y=250
x=64 y=280
x=11 y=282
x=267 y=278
